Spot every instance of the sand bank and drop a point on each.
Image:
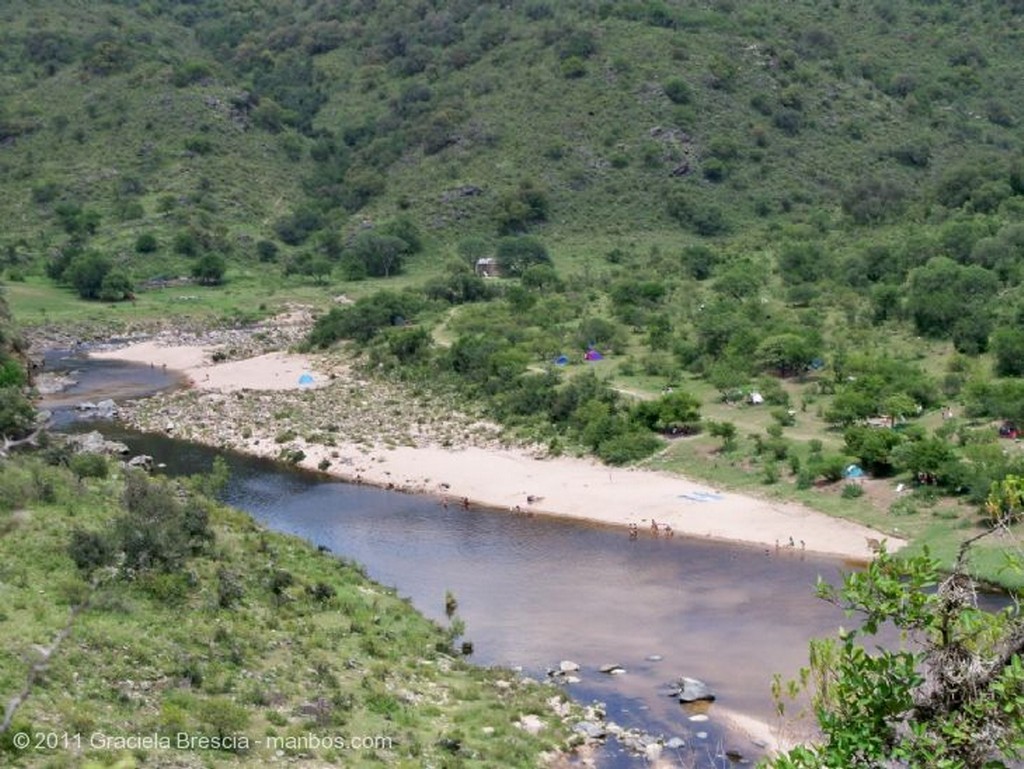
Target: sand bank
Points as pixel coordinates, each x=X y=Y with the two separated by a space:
x=518 y=481
x=272 y=371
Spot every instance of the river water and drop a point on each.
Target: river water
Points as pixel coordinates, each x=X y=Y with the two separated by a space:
x=534 y=591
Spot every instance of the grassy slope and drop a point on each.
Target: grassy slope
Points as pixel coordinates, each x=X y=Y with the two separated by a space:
x=159 y=656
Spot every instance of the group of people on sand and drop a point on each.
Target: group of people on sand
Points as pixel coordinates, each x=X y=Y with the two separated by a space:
x=657 y=529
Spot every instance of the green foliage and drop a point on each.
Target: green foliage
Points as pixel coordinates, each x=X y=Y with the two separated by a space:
x=86 y=273
x=852 y=491
x=146 y=243
x=786 y=354
x=724 y=430
x=458 y=286
x=374 y=255
x=1005 y=502
x=116 y=286
x=517 y=254
x=695 y=213
x=953 y=697
x=872 y=447
x=86 y=465
x=931 y=458
x=676 y=413
x=364 y=319
x=943 y=296
x=518 y=210
x=677 y=91
x=16 y=412
x=209 y=269
x=157 y=531
x=1008 y=348
x=90 y=550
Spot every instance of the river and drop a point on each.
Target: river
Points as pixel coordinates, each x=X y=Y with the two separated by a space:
x=534 y=591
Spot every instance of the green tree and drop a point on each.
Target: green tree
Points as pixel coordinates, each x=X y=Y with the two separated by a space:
x=941 y=293
x=209 y=269
x=86 y=273
x=953 y=697
x=786 y=354
x=1005 y=501
x=929 y=457
x=116 y=286
x=677 y=412
x=726 y=431
x=1008 y=348
x=516 y=254
x=899 y=406
x=375 y=255
x=872 y=447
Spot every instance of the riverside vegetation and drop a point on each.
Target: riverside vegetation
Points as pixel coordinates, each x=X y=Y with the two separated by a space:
x=822 y=203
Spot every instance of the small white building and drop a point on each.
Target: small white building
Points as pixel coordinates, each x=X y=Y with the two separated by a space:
x=488 y=267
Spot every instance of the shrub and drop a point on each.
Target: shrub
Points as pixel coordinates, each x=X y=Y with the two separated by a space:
x=86 y=273
x=209 y=270
x=146 y=243
x=229 y=588
x=628 y=447
x=267 y=251
x=116 y=286
x=90 y=550
x=89 y=465
x=852 y=491
x=698 y=215
x=830 y=467
x=574 y=67
x=677 y=91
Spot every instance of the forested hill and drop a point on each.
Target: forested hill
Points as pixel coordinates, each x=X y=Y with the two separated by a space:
x=155 y=131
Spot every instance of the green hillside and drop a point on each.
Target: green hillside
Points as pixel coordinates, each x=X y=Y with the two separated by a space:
x=299 y=122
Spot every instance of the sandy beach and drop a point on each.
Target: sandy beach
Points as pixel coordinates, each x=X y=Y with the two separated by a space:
x=509 y=478
x=271 y=371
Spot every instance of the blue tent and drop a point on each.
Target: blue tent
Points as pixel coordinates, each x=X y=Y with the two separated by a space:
x=853 y=471
x=593 y=354
x=306 y=379
x=561 y=360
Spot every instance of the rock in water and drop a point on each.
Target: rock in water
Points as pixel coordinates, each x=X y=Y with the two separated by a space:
x=692 y=690
x=590 y=730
